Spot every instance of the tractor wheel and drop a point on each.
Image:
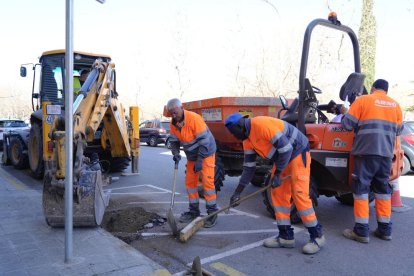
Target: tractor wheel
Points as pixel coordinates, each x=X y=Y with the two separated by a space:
x=17 y=157
x=294 y=216
x=407 y=166
x=348 y=199
x=35 y=150
x=152 y=141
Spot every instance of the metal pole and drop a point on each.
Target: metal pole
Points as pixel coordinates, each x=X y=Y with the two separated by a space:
x=69 y=132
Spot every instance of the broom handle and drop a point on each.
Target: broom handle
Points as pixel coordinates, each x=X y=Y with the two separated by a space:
x=243 y=199
x=174 y=183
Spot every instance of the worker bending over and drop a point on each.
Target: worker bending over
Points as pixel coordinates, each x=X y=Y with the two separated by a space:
x=376 y=120
x=199 y=146
x=288 y=149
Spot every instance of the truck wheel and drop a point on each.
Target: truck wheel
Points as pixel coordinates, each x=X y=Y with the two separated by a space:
x=152 y=141
x=258 y=180
x=17 y=157
x=348 y=199
x=294 y=216
x=168 y=144
x=35 y=150
x=407 y=166
x=113 y=164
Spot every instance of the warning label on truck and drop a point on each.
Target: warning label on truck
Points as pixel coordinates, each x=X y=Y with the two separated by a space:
x=336 y=162
x=212 y=114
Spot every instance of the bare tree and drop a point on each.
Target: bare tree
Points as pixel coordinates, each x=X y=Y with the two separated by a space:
x=367 y=39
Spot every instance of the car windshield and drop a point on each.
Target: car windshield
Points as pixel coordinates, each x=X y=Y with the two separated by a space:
x=408 y=127
x=13 y=124
x=166 y=125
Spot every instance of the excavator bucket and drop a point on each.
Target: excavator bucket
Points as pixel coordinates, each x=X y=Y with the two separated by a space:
x=88 y=209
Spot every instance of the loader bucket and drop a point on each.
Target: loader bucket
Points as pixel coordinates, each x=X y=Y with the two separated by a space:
x=87 y=212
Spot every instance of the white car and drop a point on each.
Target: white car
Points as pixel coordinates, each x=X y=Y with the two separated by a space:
x=11 y=124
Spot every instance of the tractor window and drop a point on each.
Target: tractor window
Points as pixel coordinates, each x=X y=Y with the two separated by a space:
x=52 y=80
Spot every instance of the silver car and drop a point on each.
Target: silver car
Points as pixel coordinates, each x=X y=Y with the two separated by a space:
x=7 y=125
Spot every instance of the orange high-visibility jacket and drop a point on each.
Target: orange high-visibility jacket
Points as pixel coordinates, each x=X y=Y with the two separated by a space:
x=195 y=136
x=272 y=139
x=376 y=120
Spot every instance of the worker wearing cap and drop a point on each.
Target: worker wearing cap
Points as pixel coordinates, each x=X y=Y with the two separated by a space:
x=200 y=148
x=377 y=120
x=288 y=148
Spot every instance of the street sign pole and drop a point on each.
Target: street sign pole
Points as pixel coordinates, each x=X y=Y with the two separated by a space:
x=69 y=133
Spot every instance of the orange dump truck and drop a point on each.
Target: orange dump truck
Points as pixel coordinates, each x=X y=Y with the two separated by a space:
x=229 y=158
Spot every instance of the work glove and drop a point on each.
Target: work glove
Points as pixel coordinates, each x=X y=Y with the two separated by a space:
x=276 y=181
x=177 y=158
x=235 y=197
x=198 y=165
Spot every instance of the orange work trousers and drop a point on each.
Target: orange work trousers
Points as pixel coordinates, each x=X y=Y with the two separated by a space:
x=295 y=187
x=207 y=180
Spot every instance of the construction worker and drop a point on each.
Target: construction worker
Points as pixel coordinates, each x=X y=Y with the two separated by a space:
x=199 y=146
x=288 y=148
x=377 y=120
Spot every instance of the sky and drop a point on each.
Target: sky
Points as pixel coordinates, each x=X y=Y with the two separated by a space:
x=194 y=49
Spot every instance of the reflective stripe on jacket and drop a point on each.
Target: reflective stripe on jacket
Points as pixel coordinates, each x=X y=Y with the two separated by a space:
x=272 y=139
x=376 y=120
x=195 y=136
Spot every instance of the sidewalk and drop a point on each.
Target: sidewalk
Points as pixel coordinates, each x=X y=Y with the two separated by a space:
x=28 y=246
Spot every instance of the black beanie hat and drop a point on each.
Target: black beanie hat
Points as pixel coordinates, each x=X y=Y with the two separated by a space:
x=381 y=85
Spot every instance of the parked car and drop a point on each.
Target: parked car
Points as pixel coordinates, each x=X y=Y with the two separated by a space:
x=407 y=144
x=7 y=125
x=154 y=132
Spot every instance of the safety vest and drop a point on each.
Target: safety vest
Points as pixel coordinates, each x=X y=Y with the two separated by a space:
x=195 y=136
x=376 y=120
x=275 y=139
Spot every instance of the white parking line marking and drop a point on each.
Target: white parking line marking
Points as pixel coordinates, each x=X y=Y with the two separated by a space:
x=205 y=233
x=244 y=213
x=144 y=185
x=235 y=250
x=138 y=193
x=161 y=189
x=158 y=202
x=169 y=153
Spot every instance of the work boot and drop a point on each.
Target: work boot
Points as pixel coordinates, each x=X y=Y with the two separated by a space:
x=382 y=236
x=278 y=242
x=350 y=234
x=187 y=217
x=314 y=246
x=211 y=222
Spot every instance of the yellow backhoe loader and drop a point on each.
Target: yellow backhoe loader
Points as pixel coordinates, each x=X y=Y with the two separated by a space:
x=103 y=138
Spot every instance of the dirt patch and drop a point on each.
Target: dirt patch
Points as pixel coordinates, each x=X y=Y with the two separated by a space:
x=125 y=222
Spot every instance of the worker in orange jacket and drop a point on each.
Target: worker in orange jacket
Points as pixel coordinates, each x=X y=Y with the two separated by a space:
x=377 y=120
x=199 y=146
x=288 y=148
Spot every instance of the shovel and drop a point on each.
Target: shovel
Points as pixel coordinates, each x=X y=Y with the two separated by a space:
x=196 y=224
x=170 y=215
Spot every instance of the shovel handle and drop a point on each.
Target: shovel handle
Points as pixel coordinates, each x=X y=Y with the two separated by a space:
x=174 y=183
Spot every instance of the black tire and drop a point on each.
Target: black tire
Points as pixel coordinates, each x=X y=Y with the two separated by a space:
x=407 y=166
x=348 y=199
x=17 y=157
x=152 y=141
x=168 y=144
x=294 y=217
x=258 y=179
x=35 y=150
x=113 y=164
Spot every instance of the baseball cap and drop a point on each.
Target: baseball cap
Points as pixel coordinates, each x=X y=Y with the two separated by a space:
x=381 y=84
x=232 y=119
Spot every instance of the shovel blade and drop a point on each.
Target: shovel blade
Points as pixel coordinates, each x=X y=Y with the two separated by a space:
x=171 y=221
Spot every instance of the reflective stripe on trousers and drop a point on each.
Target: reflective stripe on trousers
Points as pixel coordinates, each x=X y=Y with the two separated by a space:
x=297 y=188
x=207 y=180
